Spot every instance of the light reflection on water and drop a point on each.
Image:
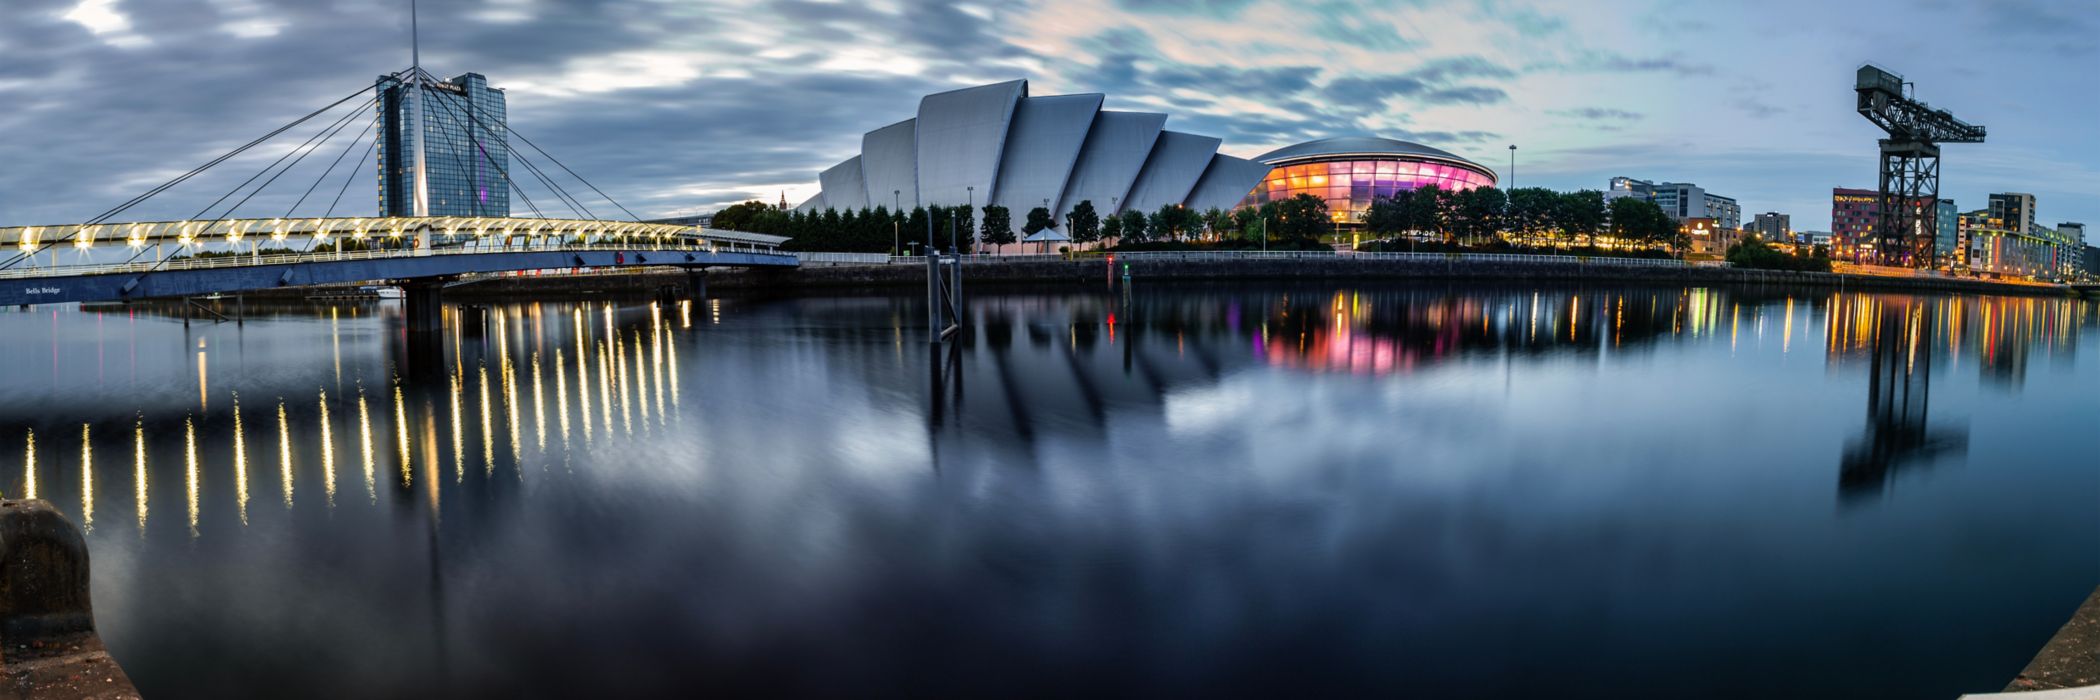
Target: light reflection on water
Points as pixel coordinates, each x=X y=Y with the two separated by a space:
x=1386 y=488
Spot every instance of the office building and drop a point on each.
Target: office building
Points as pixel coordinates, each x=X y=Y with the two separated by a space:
x=1773 y=227
x=1946 y=244
x=466 y=148
x=1681 y=200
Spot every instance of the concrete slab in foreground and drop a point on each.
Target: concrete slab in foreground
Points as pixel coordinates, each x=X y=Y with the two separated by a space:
x=2068 y=667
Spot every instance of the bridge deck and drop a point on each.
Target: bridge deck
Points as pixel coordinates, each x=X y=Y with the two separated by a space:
x=233 y=274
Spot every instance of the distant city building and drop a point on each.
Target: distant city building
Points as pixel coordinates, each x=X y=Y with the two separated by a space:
x=1707 y=236
x=1947 y=244
x=1773 y=227
x=465 y=145
x=1854 y=215
x=2073 y=238
x=1813 y=238
x=2092 y=261
x=1681 y=200
x=2016 y=209
x=1855 y=221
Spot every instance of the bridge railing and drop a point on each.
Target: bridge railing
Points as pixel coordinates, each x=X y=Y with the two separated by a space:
x=251 y=260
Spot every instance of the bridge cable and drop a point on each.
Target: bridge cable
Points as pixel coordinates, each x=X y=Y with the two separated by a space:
x=303 y=150
x=574 y=204
x=134 y=201
x=507 y=129
x=369 y=128
x=370 y=153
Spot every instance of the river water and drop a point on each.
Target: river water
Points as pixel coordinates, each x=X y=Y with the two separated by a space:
x=1253 y=488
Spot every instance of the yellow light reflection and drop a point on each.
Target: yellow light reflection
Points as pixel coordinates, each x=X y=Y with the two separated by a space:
x=87 y=480
x=29 y=466
x=138 y=472
x=561 y=395
x=364 y=443
x=459 y=466
x=240 y=462
x=401 y=436
x=488 y=434
x=189 y=465
x=539 y=404
x=284 y=452
x=327 y=452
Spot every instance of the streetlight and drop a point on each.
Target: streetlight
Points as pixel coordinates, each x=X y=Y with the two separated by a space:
x=1512 y=167
x=896 y=210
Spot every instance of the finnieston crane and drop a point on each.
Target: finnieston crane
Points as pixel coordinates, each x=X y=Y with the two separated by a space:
x=1910 y=165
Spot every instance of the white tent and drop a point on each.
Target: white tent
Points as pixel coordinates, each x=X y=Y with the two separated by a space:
x=1044 y=238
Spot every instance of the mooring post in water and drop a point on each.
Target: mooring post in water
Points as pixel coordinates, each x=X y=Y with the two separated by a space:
x=47 y=623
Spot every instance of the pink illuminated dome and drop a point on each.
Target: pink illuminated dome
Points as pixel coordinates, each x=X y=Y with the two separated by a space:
x=1350 y=171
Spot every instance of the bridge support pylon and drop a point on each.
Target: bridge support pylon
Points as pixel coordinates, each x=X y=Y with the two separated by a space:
x=424 y=308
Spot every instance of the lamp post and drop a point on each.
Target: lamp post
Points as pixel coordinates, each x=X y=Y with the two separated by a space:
x=1512 y=167
x=896 y=210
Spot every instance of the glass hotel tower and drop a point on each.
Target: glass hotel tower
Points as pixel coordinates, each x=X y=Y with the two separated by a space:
x=464 y=140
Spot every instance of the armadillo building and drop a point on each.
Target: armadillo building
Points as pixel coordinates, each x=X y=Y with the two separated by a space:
x=996 y=144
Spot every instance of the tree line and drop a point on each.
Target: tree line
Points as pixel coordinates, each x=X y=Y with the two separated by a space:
x=1470 y=217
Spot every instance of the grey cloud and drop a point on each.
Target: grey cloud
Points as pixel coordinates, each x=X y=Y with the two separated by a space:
x=1213 y=8
x=1598 y=114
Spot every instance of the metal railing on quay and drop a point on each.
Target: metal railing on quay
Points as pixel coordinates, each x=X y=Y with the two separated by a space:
x=257 y=259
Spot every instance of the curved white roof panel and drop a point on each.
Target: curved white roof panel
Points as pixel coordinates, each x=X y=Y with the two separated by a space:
x=962 y=134
x=1109 y=163
x=1041 y=149
x=1176 y=163
x=844 y=186
x=889 y=164
x=1226 y=182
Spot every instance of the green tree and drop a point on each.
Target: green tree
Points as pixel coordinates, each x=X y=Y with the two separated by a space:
x=1532 y=211
x=1478 y=212
x=1248 y=222
x=1384 y=218
x=1038 y=219
x=1174 y=222
x=1423 y=209
x=1217 y=222
x=739 y=216
x=915 y=228
x=1582 y=213
x=1083 y=224
x=966 y=228
x=998 y=225
x=1112 y=229
x=1133 y=227
x=1302 y=217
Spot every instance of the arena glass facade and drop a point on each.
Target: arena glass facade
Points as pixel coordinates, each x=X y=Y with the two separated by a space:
x=1350 y=172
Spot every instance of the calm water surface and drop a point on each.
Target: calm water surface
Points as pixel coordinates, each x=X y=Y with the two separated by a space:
x=1371 y=490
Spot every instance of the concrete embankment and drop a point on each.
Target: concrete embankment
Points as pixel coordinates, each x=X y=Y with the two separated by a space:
x=1340 y=267
x=1346 y=267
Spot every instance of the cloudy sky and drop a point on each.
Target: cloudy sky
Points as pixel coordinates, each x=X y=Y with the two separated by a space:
x=684 y=106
